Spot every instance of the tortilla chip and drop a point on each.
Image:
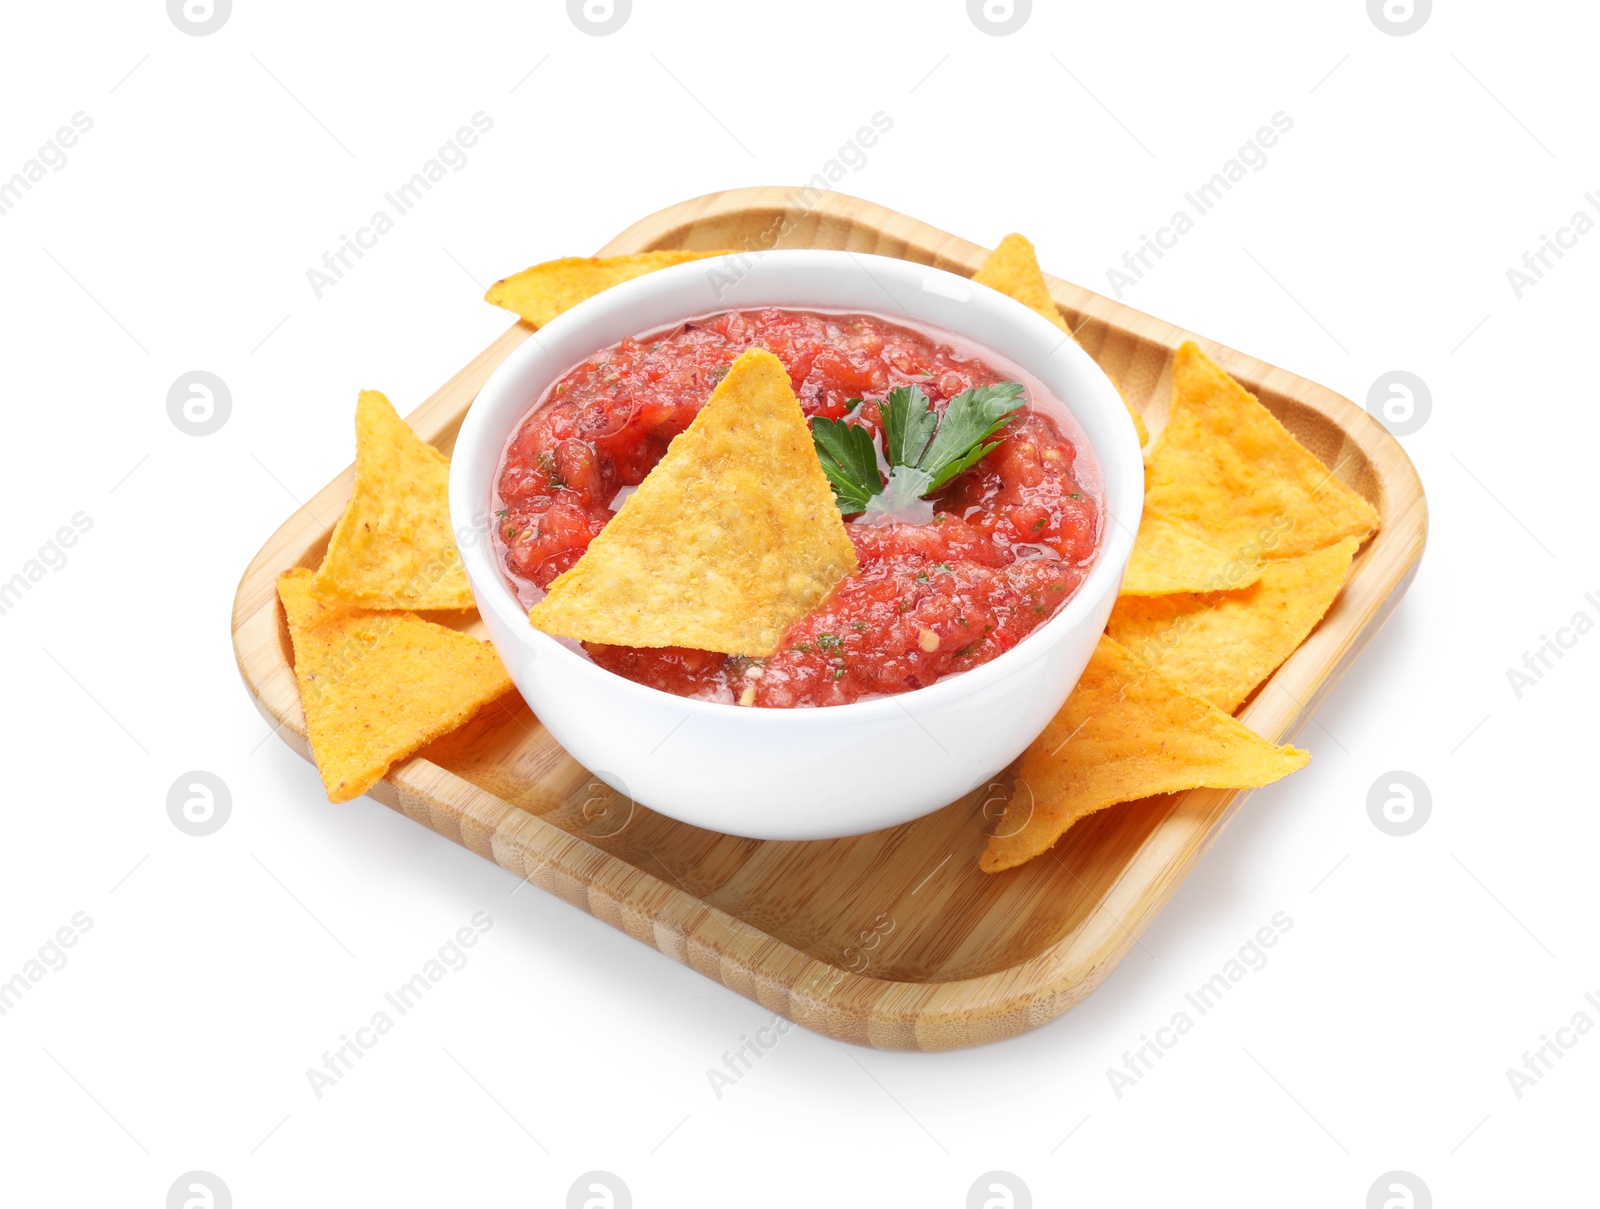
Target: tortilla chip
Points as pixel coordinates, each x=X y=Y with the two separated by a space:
x=541 y=293
x=393 y=547
x=1221 y=645
x=376 y=686
x=732 y=538
x=1125 y=733
x=1168 y=557
x=1226 y=467
x=1013 y=269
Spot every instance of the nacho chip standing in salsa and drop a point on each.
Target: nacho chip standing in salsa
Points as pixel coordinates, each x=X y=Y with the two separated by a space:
x=730 y=539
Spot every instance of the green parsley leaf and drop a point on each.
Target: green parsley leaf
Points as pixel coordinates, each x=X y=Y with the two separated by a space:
x=850 y=461
x=908 y=424
x=923 y=451
x=971 y=419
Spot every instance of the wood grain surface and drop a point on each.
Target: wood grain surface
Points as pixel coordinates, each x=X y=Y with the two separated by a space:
x=893 y=939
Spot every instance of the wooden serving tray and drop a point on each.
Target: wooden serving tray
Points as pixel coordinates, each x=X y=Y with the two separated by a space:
x=893 y=939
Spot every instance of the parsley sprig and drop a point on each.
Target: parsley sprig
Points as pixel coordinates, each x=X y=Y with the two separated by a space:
x=923 y=451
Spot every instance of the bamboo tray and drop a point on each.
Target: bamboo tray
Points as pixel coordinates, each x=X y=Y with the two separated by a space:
x=893 y=939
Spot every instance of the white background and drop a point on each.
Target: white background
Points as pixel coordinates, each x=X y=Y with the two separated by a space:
x=178 y=235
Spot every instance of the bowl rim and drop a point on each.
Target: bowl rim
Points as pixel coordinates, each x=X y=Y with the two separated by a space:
x=1105 y=575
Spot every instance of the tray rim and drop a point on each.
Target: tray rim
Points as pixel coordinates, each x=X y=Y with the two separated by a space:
x=822 y=996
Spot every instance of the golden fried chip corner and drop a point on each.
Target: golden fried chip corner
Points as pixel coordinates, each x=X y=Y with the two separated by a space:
x=1222 y=645
x=393 y=548
x=1125 y=733
x=1169 y=557
x=1013 y=269
x=732 y=537
x=540 y=293
x=377 y=686
x=1227 y=468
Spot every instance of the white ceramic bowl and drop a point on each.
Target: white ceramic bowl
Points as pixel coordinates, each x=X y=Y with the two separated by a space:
x=799 y=773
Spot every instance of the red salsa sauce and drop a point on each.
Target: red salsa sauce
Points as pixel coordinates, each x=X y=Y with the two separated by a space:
x=1008 y=543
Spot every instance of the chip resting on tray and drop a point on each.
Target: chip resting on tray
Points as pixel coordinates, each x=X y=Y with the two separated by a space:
x=1013 y=269
x=376 y=686
x=1169 y=557
x=1126 y=732
x=1221 y=645
x=1227 y=468
x=541 y=293
x=730 y=539
x=393 y=547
